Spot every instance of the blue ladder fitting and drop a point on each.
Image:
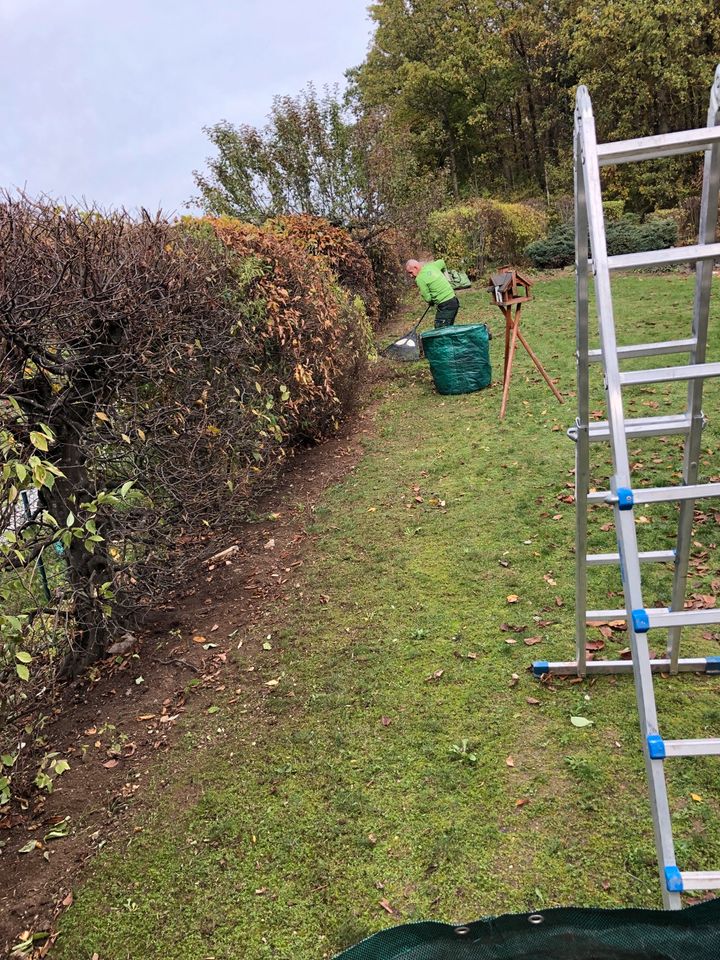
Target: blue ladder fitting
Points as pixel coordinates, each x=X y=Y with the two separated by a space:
x=626 y=500
x=640 y=621
x=656 y=746
x=673 y=880
x=712 y=664
x=540 y=668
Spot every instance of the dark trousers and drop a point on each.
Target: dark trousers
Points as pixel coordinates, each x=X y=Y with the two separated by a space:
x=446 y=313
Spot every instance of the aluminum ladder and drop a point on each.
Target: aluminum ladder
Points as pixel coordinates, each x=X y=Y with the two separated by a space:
x=623 y=496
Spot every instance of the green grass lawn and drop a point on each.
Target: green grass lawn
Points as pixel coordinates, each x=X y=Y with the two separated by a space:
x=296 y=830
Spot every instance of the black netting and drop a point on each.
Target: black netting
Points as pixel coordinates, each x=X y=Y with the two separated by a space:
x=568 y=933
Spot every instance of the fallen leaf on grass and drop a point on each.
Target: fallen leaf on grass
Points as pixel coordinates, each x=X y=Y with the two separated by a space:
x=513 y=598
x=386 y=907
x=581 y=722
x=68 y=901
x=198 y=638
x=146 y=716
x=386 y=721
x=514 y=680
x=522 y=802
x=548 y=579
x=109 y=764
x=213 y=709
x=434 y=676
x=696 y=797
x=531 y=641
x=592 y=645
x=272 y=683
x=509 y=761
x=533 y=701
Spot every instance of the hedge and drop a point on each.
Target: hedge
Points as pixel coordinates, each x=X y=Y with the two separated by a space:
x=156 y=376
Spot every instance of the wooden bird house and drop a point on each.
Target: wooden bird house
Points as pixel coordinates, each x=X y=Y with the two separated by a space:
x=509 y=287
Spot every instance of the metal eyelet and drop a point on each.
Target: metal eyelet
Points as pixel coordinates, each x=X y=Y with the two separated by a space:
x=536 y=918
x=461 y=931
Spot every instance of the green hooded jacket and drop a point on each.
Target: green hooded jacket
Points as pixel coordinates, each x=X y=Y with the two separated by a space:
x=434 y=285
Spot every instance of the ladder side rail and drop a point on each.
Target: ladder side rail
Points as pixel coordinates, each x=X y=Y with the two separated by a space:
x=701 y=310
x=582 y=448
x=624 y=519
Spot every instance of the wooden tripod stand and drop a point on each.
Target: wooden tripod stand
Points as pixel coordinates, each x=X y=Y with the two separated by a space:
x=512 y=290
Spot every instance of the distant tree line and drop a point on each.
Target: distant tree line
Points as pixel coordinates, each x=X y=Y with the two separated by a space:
x=463 y=98
x=485 y=88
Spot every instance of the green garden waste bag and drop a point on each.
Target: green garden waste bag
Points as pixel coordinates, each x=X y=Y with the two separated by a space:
x=459 y=357
x=568 y=933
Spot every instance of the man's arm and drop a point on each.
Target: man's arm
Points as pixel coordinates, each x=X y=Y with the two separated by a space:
x=424 y=289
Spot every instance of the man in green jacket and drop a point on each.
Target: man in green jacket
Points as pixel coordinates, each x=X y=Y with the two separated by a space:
x=435 y=288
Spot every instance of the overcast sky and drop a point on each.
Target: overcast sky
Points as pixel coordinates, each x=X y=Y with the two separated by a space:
x=106 y=99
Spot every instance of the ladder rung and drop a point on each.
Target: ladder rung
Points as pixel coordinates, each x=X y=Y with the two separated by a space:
x=700 y=879
x=647 y=349
x=664 y=426
x=661 y=494
x=648 y=556
x=663 y=618
x=690 y=371
x=667 y=257
x=692 y=748
x=652 y=148
x=663 y=665
x=683 y=618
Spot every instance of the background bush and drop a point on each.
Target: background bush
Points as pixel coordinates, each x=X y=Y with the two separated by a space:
x=624 y=235
x=472 y=234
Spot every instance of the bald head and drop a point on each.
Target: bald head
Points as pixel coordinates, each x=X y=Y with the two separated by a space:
x=413 y=267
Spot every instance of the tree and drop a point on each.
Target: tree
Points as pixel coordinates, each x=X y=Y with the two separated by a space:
x=304 y=160
x=663 y=59
x=318 y=155
x=486 y=87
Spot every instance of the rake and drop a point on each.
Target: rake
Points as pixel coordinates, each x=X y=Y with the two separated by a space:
x=407 y=347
